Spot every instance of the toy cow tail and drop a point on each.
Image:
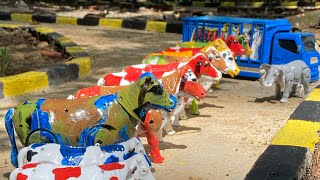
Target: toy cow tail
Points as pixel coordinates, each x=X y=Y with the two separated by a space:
x=10 y=131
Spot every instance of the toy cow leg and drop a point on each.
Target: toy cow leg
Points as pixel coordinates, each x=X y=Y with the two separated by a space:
x=168 y=128
x=195 y=108
x=175 y=120
x=183 y=114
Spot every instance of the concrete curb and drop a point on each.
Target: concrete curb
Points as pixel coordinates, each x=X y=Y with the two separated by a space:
x=35 y=80
x=133 y=23
x=290 y=154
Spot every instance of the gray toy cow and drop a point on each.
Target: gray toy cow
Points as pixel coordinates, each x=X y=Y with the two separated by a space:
x=288 y=77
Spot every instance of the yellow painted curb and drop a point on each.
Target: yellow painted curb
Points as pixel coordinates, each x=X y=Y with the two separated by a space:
x=44 y=30
x=314 y=95
x=63 y=40
x=11 y=26
x=298 y=133
x=84 y=65
x=228 y=4
x=66 y=20
x=21 y=17
x=23 y=83
x=112 y=23
x=256 y=4
x=74 y=49
x=156 y=26
x=289 y=5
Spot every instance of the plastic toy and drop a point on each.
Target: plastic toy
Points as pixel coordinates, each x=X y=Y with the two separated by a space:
x=244 y=40
x=271 y=41
x=235 y=46
x=133 y=168
x=228 y=55
x=81 y=122
x=199 y=64
x=256 y=42
x=80 y=156
x=287 y=77
x=181 y=83
x=151 y=128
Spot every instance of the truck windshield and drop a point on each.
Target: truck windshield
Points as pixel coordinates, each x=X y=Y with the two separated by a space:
x=309 y=43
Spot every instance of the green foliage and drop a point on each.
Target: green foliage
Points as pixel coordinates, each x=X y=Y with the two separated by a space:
x=4 y=60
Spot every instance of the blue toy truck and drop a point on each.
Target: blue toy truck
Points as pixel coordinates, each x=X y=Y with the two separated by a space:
x=271 y=41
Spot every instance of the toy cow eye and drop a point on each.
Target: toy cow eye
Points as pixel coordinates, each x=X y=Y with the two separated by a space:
x=217 y=57
x=157 y=90
x=224 y=55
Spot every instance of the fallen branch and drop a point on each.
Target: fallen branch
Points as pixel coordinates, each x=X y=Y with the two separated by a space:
x=52 y=54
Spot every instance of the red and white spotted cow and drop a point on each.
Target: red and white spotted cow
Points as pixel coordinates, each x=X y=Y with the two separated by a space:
x=199 y=64
x=81 y=156
x=136 y=167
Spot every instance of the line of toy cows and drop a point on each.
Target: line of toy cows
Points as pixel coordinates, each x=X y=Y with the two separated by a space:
x=92 y=134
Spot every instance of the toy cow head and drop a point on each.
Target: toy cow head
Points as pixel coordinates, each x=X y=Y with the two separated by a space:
x=190 y=84
x=228 y=55
x=235 y=46
x=244 y=41
x=147 y=89
x=202 y=66
x=216 y=59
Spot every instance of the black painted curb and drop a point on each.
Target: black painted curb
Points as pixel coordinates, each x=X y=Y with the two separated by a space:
x=132 y=23
x=279 y=162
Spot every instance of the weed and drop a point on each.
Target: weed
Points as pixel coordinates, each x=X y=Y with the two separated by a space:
x=4 y=60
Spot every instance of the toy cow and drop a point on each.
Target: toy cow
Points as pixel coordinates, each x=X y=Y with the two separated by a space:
x=235 y=46
x=200 y=65
x=81 y=122
x=227 y=54
x=80 y=156
x=136 y=167
x=287 y=77
x=181 y=83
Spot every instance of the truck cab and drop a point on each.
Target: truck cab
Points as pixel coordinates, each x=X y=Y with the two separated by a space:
x=290 y=46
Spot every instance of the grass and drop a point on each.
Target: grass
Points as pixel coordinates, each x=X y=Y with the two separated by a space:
x=4 y=60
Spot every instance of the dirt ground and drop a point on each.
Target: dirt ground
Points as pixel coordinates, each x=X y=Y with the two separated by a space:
x=26 y=53
x=235 y=126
